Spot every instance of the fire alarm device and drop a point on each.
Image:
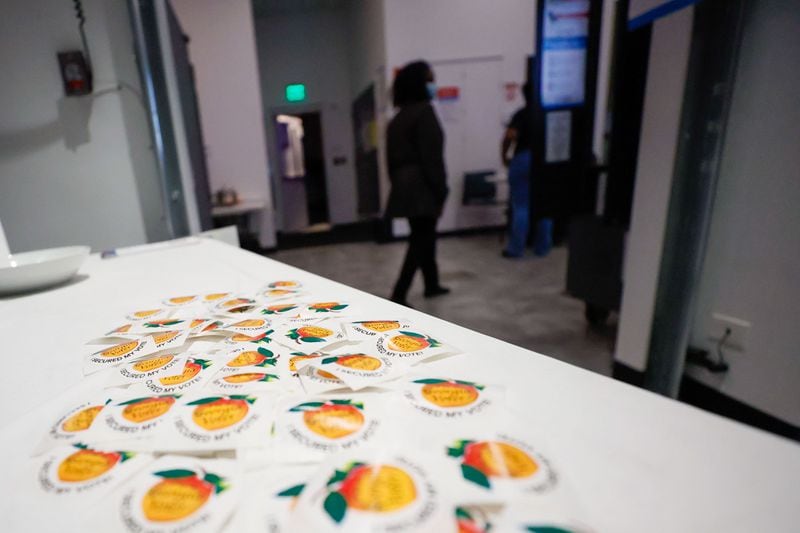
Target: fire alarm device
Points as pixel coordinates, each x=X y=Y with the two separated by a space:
x=76 y=73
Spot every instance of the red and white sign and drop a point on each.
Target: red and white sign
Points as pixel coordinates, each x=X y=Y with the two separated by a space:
x=448 y=93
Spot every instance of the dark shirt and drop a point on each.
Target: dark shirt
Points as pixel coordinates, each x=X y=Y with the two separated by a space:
x=415 y=155
x=521 y=122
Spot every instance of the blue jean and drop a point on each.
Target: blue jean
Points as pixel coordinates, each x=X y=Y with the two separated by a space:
x=519 y=181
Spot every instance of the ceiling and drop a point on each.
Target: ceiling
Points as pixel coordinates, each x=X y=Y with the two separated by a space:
x=266 y=8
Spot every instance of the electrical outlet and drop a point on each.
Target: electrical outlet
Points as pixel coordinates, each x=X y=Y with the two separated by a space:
x=739 y=328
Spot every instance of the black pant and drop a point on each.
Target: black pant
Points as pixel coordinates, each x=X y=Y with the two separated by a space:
x=421 y=253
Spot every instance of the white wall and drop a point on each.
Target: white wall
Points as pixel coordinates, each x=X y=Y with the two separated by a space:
x=498 y=37
x=753 y=259
x=97 y=193
x=452 y=29
x=222 y=50
x=666 y=77
x=311 y=47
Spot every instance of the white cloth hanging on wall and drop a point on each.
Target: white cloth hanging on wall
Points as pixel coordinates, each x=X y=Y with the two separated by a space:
x=293 y=156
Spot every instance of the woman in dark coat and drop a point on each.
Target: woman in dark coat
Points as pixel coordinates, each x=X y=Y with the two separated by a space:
x=415 y=153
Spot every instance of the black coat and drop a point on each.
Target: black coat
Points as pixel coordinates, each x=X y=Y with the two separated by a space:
x=415 y=154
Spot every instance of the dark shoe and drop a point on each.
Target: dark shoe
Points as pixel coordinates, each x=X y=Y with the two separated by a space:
x=401 y=302
x=544 y=237
x=437 y=291
x=509 y=255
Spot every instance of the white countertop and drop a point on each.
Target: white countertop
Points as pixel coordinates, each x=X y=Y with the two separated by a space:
x=637 y=462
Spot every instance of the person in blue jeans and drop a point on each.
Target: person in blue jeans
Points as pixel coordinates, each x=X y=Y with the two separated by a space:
x=519 y=133
x=519 y=180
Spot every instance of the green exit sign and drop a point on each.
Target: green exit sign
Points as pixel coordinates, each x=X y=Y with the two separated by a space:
x=295 y=92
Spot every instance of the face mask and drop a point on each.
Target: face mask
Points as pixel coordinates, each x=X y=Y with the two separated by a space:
x=431 y=86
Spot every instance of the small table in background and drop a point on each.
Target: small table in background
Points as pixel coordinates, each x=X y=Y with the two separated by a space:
x=240 y=215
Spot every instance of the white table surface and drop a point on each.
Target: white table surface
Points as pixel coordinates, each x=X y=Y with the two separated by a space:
x=636 y=461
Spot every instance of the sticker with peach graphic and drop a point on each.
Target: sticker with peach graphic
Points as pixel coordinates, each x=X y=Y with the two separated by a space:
x=296 y=359
x=73 y=424
x=371 y=493
x=147 y=314
x=195 y=372
x=142 y=369
x=200 y=327
x=472 y=519
x=272 y=499
x=176 y=494
x=120 y=332
x=314 y=427
x=248 y=357
x=234 y=306
x=281 y=309
x=160 y=324
x=246 y=380
x=276 y=295
x=80 y=472
x=170 y=340
x=501 y=466
x=325 y=308
x=213 y=297
x=216 y=422
x=314 y=334
x=285 y=284
x=248 y=326
x=239 y=339
x=134 y=420
x=410 y=345
x=125 y=331
x=447 y=398
x=281 y=290
x=119 y=353
x=370 y=329
x=317 y=381
x=247 y=371
x=181 y=301
x=357 y=369
x=283 y=494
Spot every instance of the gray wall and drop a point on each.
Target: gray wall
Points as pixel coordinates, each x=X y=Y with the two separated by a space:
x=752 y=267
x=103 y=192
x=311 y=47
x=367 y=43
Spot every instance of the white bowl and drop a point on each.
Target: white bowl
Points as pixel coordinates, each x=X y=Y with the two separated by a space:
x=41 y=268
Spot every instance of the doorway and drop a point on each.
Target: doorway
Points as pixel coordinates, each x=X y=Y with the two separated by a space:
x=302 y=177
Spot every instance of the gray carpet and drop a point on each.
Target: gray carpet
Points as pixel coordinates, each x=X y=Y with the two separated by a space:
x=520 y=301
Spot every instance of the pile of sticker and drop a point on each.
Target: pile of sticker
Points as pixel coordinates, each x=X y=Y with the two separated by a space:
x=276 y=411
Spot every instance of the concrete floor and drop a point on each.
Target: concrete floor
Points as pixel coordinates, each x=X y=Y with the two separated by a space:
x=520 y=301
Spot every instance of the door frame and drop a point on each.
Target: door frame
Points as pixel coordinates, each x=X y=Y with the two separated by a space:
x=274 y=170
